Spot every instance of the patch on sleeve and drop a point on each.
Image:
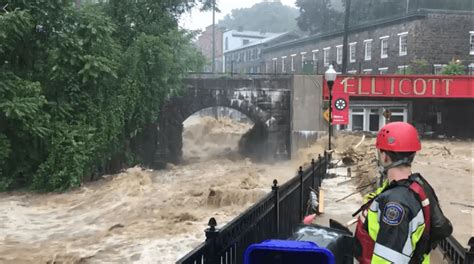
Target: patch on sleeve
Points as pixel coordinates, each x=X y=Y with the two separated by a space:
x=393 y=214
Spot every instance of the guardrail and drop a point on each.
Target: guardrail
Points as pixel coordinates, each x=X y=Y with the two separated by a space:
x=274 y=216
x=456 y=253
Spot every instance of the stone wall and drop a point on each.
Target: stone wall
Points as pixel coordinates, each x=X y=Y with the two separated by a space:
x=435 y=36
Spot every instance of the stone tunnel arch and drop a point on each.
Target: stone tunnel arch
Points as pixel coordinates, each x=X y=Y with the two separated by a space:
x=265 y=100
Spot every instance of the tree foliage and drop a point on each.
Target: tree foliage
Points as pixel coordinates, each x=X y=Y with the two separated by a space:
x=268 y=17
x=454 y=68
x=318 y=16
x=77 y=85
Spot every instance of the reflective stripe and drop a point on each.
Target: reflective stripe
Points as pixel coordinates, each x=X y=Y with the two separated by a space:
x=414 y=233
x=425 y=202
x=374 y=206
x=379 y=260
x=390 y=254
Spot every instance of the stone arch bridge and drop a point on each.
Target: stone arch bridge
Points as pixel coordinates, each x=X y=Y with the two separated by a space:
x=266 y=100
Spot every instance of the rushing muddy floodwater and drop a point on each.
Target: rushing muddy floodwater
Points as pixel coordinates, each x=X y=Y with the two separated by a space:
x=144 y=216
x=141 y=216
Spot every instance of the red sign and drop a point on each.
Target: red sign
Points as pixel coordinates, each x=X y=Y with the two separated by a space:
x=340 y=108
x=405 y=86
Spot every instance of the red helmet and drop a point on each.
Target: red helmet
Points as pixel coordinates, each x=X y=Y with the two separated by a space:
x=398 y=137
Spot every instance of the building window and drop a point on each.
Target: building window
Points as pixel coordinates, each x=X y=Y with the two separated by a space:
x=368 y=49
x=283 y=64
x=315 y=60
x=303 y=58
x=357 y=119
x=275 y=62
x=384 y=47
x=403 y=49
x=352 y=72
x=293 y=62
x=326 y=56
x=402 y=69
x=367 y=71
x=339 y=54
x=383 y=71
x=245 y=41
x=438 y=68
x=398 y=114
x=472 y=42
x=226 y=43
x=352 y=52
x=471 y=69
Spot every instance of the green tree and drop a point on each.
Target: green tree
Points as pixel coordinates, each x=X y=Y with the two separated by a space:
x=454 y=68
x=268 y=17
x=318 y=16
x=75 y=89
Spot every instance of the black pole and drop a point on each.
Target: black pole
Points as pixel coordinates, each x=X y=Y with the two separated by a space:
x=313 y=176
x=214 y=36
x=321 y=168
x=276 y=194
x=346 y=35
x=301 y=193
x=330 y=84
x=211 y=234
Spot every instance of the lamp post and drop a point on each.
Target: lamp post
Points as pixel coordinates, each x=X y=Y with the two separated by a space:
x=330 y=76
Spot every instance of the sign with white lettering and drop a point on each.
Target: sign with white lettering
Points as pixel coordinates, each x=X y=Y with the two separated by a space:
x=406 y=86
x=340 y=108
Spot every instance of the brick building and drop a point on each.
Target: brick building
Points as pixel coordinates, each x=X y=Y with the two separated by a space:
x=204 y=44
x=421 y=42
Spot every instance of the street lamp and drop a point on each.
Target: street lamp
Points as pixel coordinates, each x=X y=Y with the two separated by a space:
x=330 y=76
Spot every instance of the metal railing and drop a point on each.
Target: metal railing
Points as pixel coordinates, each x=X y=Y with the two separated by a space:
x=275 y=216
x=456 y=253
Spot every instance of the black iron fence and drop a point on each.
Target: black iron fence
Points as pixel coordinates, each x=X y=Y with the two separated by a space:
x=274 y=216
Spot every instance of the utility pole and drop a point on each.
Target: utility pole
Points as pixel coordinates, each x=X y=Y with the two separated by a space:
x=346 y=35
x=78 y=4
x=214 y=36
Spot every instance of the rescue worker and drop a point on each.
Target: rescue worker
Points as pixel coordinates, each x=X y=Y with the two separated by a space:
x=394 y=222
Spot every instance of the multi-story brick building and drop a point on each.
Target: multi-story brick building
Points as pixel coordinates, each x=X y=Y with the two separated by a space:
x=420 y=42
x=204 y=44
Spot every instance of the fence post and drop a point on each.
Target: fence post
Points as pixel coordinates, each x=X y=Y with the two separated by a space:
x=300 y=171
x=276 y=195
x=320 y=176
x=470 y=252
x=211 y=234
x=313 y=175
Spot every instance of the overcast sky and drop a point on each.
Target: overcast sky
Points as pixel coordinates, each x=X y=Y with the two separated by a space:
x=199 y=20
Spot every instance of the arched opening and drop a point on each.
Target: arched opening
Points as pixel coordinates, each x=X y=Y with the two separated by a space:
x=214 y=132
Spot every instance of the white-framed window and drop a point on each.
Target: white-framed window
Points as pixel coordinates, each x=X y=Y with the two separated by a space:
x=402 y=69
x=471 y=42
x=369 y=117
x=226 y=43
x=283 y=64
x=352 y=72
x=275 y=64
x=293 y=62
x=352 y=52
x=368 y=49
x=303 y=58
x=438 y=68
x=402 y=44
x=367 y=71
x=315 y=59
x=383 y=70
x=384 y=47
x=326 y=55
x=339 y=54
x=471 y=69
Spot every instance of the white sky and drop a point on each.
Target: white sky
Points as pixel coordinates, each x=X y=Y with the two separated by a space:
x=199 y=20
